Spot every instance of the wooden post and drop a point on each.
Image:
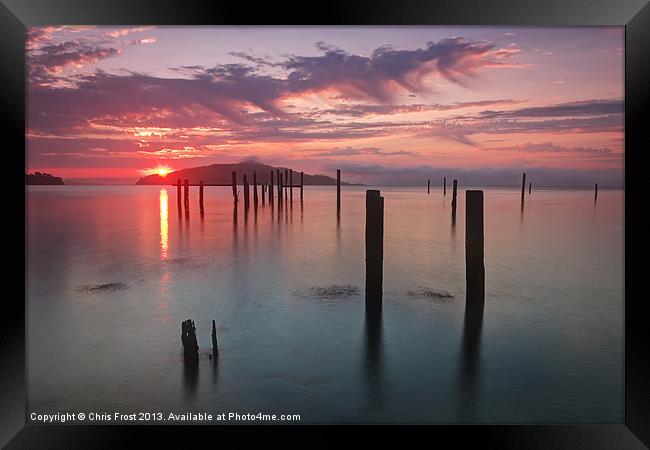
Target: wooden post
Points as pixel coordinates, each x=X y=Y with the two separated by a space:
x=279 y=176
x=271 y=187
x=474 y=265
x=374 y=249
x=285 y=181
x=444 y=186
x=453 y=198
x=338 y=192
x=595 y=191
x=201 y=195
x=190 y=346
x=234 y=187
x=186 y=195
x=263 y=193
x=178 y=194
x=523 y=186
x=291 y=183
x=254 y=189
x=246 y=192
x=215 y=347
x=530 y=187
x=302 y=183
x=428 y=186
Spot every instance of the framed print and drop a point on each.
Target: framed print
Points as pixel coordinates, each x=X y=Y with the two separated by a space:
x=383 y=215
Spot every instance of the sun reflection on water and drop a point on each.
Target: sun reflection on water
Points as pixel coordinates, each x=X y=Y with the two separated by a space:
x=164 y=224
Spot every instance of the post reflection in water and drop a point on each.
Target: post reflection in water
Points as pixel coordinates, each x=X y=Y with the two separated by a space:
x=374 y=358
x=190 y=379
x=470 y=360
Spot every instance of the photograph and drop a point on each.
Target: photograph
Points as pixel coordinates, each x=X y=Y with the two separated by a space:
x=324 y=224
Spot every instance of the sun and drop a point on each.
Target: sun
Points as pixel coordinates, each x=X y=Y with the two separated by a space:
x=162 y=171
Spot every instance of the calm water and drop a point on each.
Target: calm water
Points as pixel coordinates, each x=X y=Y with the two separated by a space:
x=549 y=346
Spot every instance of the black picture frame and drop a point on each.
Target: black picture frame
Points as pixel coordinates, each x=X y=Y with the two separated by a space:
x=16 y=15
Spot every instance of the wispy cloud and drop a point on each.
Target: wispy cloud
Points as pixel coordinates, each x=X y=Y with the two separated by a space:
x=351 y=151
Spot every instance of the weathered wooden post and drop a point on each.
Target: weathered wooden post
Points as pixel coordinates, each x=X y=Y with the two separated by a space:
x=263 y=193
x=246 y=194
x=595 y=191
x=201 y=195
x=187 y=194
x=271 y=187
x=254 y=189
x=444 y=186
x=234 y=188
x=474 y=245
x=453 y=198
x=285 y=181
x=302 y=183
x=279 y=176
x=190 y=346
x=338 y=192
x=523 y=187
x=428 y=186
x=530 y=187
x=291 y=184
x=374 y=249
x=215 y=347
x=178 y=194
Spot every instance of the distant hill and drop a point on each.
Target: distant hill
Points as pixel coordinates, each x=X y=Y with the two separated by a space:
x=222 y=174
x=38 y=178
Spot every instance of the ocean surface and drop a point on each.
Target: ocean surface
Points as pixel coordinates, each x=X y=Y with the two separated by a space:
x=112 y=272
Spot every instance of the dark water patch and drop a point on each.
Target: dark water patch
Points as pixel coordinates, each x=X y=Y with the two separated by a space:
x=107 y=287
x=180 y=260
x=424 y=292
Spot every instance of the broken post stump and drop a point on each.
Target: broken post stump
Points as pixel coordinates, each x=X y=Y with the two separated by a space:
x=271 y=189
x=254 y=189
x=178 y=194
x=428 y=186
x=338 y=192
x=190 y=345
x=291 y=184
x=474 y=248
x=530 y=187
x=201 y=195
x=215 y=347
x=187 y=194
x=595 y=191
x=246 y=192
x=523 y=186
x=234 y=187
x=374 y=249
x=453 y=198
x=444 y=186
x=302 y=183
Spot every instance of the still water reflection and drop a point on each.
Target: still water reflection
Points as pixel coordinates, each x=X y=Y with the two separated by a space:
x=111 y=277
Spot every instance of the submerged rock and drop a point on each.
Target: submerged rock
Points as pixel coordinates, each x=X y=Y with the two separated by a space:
x=335 y=291
x=103 y=287
x=424 y=292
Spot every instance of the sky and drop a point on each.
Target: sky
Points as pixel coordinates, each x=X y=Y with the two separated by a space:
x=386 y=105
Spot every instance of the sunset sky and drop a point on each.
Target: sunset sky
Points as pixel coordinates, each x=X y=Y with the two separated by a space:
x=387 y=105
